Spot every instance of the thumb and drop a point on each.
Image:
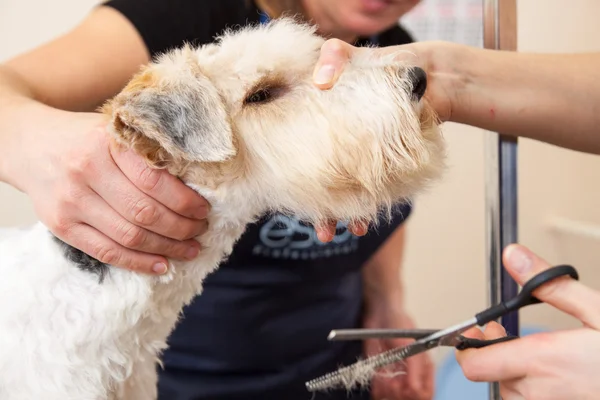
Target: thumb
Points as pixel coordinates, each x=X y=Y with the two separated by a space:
x=334 y=55
x=566 y=294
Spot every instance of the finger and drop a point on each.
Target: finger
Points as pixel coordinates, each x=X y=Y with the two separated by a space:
x=388 y=384
x=107 y=221
x=142 y=210
x=326 y=231
x=501 y=361
x=424 y=377
x=358 y=228
x=387 y=381
x=377 y=392
x=509 y=390
x=493 y=331
x=419 y=378
x=428 y=379
x=474 y=333
x=413 y=387
x=334 y=55
x=162 y=186
x=395 y=380
x=105 y=250
x=566 y=294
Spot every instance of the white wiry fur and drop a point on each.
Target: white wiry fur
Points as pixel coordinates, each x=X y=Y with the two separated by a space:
x=347 y=153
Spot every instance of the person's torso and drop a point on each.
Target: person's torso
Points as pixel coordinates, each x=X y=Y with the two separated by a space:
x=261 y=323
x=262 y=320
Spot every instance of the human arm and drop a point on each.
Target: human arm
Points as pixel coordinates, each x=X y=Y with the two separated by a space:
x=552 y=365
x=553 y=98
x=104 y=202
x=385 y=308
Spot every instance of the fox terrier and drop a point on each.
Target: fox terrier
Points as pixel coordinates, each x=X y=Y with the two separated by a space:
x=241 y=122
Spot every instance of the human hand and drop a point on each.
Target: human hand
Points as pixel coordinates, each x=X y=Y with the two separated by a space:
x=105 y=202
x=550 y=366
x=326 y=231
x=436 y=58
x=414 y=380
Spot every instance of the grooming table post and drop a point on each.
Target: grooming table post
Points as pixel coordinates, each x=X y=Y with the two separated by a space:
x=500 y=33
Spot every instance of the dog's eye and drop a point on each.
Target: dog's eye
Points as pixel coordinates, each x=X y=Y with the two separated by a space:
x=259 y=96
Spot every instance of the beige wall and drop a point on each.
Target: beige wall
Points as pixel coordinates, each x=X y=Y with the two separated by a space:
x=554 y=183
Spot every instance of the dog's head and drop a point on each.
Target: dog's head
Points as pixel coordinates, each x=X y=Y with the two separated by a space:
x=244 y=111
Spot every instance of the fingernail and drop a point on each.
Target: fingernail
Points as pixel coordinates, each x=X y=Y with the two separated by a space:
x=192 y=252
x=159 y=268
x=325 y=74
x=520 y=261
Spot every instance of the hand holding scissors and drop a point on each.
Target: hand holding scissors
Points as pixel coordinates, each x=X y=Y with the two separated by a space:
x=428 y=339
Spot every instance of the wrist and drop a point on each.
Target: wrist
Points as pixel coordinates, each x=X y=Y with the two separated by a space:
x=383 y=291
x=449 y=69
x=476 y=85
x=466 y=94
x=384 y=302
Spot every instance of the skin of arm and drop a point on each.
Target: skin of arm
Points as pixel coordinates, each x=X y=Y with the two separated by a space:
x=553 y=98
x=381 y=273
x=384 y=308
x=74 y=72
x=57 y=151
x=47 y=99
x=81 y=69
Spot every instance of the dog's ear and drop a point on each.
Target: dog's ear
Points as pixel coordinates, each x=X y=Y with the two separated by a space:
x=172 y=113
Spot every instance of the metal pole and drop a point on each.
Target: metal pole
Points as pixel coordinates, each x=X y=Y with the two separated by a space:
x=499 y=33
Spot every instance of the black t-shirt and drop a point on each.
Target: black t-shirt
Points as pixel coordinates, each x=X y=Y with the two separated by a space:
x=259 y=329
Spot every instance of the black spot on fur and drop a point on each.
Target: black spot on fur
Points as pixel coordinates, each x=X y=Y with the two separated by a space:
x=83 y=261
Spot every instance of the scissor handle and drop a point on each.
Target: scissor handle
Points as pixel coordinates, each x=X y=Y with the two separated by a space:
x=525 y=297
x=471 y=343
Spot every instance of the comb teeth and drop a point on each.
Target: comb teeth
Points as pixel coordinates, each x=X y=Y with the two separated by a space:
x=361 y=371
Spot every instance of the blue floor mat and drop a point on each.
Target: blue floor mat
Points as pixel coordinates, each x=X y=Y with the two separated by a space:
x=451 y=384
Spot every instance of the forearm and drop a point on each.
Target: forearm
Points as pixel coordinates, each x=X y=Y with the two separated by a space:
x=18 y=111
x=14 y=94
x=554 y=98
x=382 y=272
x=12 y=86
x=75 y=72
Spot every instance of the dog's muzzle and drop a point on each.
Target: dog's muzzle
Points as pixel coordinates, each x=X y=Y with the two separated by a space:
x=418 y=79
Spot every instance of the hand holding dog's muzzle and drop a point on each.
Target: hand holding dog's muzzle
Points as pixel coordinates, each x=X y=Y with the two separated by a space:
x=437 y=59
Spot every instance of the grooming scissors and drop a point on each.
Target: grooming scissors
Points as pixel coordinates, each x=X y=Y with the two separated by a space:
x=427 y=339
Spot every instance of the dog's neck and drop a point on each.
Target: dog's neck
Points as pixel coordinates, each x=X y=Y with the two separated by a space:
x=226 y=224
x=227 y=221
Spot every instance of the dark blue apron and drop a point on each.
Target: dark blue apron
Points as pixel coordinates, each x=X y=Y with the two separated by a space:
x=259 y=329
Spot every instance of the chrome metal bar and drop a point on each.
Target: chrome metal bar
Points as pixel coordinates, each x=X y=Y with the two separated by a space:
x=500 y=33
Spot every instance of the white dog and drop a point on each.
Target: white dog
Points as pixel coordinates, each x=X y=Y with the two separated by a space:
x=241 y=122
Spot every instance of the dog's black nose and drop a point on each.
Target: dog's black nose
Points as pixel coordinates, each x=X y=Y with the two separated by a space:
x=418 y=79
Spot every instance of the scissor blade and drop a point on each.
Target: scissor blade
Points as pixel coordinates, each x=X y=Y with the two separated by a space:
x=362 y=370
x=347 y=376
x=362 y=334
